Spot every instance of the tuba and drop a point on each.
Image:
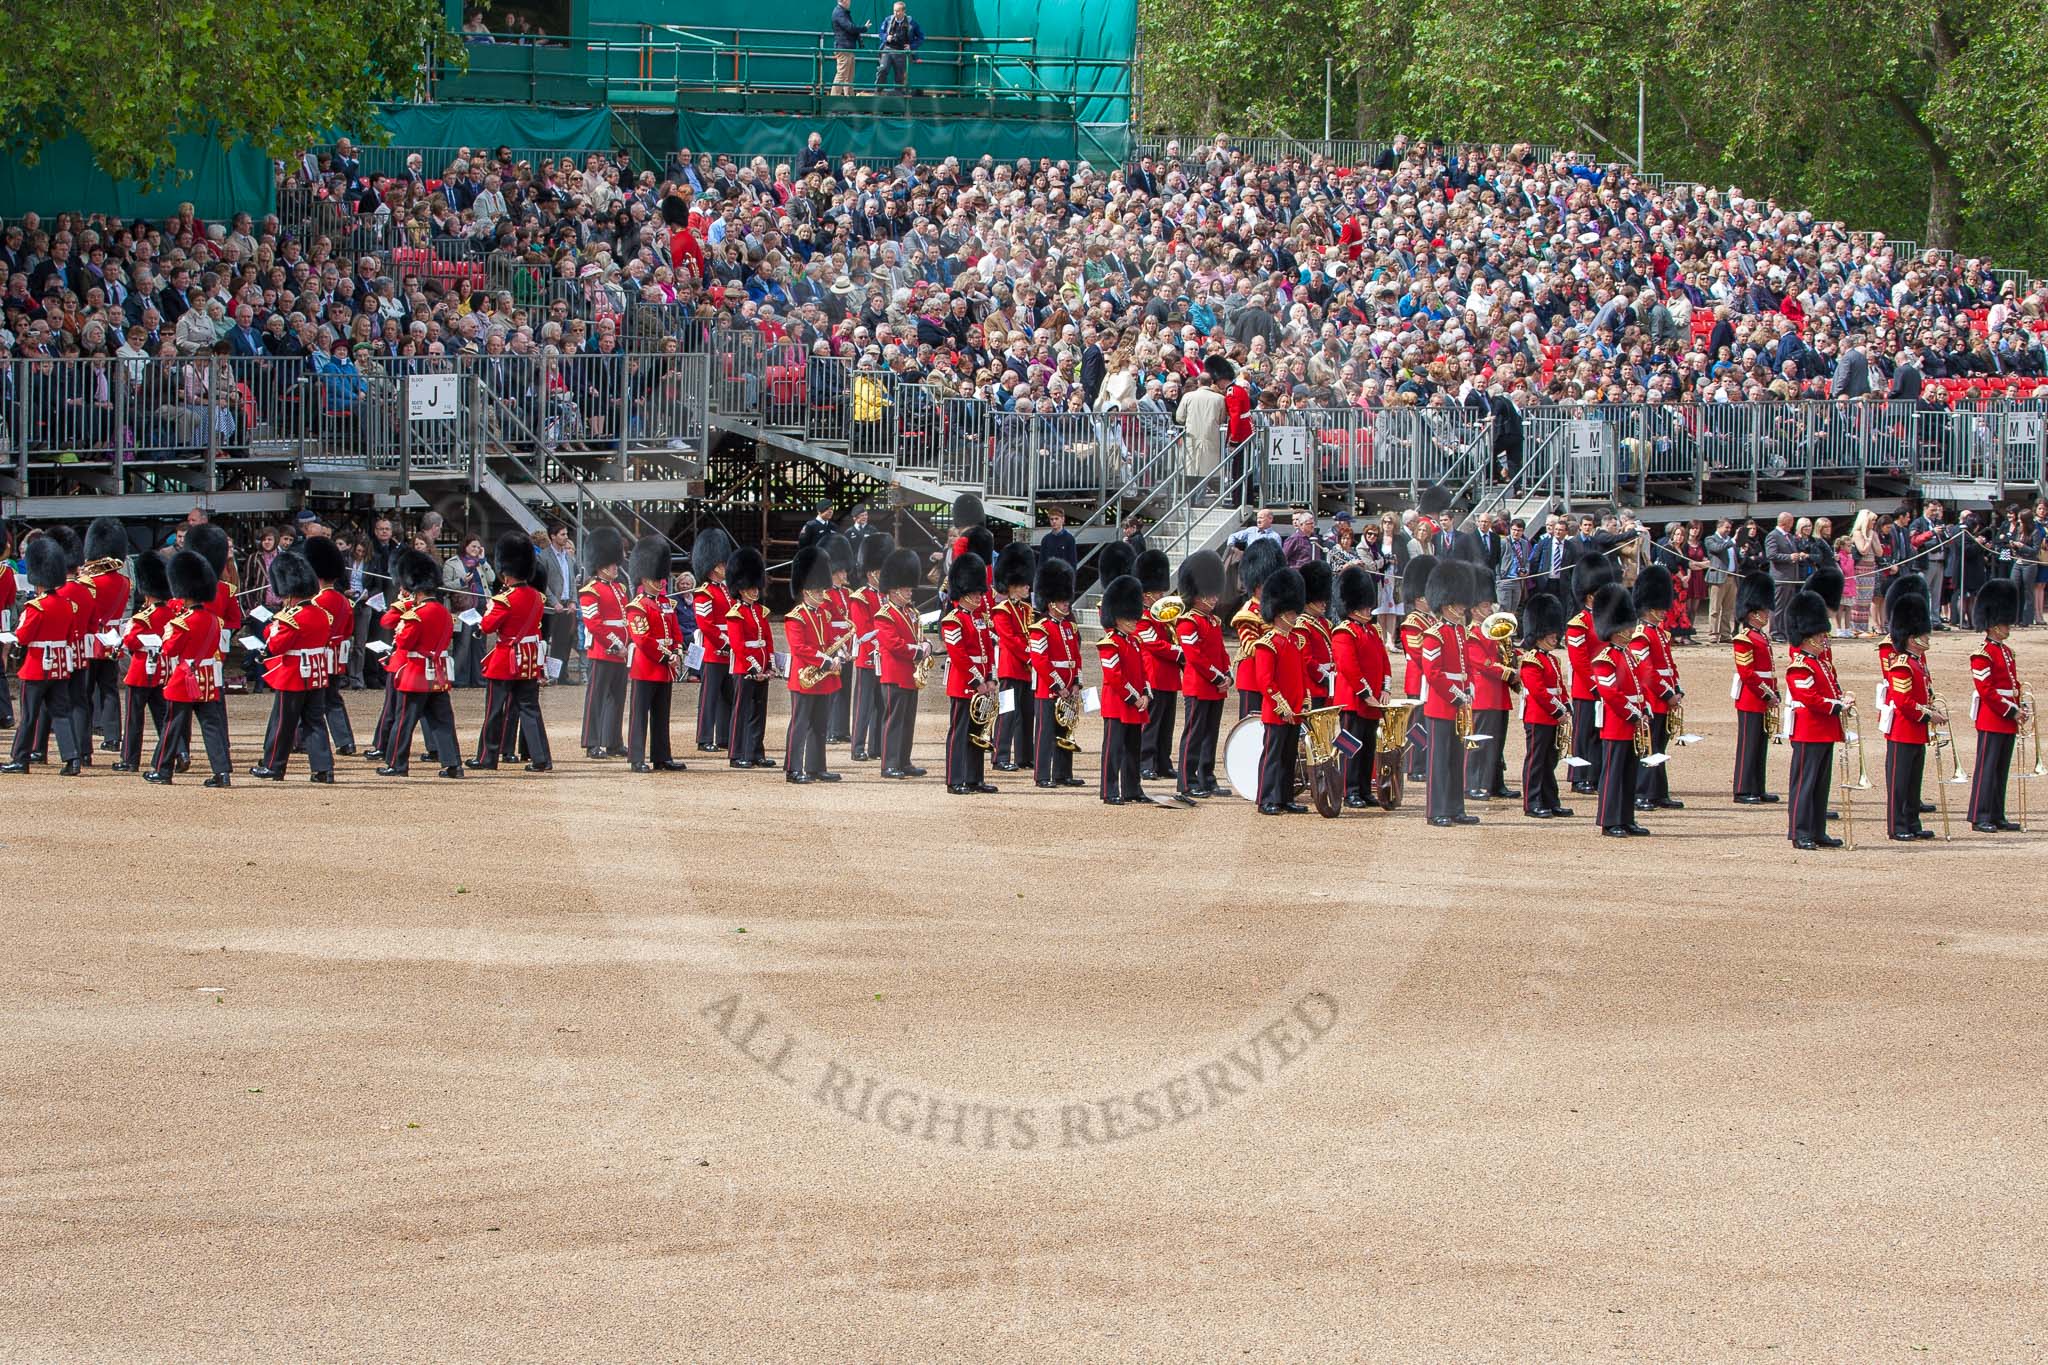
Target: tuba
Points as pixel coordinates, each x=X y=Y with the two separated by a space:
x=1499 y=627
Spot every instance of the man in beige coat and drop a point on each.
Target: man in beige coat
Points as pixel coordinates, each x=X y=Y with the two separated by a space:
x=1201 y=415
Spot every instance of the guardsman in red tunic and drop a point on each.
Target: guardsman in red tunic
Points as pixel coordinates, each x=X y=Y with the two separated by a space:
x=1649 y=653
x=815 y=650
x=712 y=602
x=106 y=550
x=657 y=658
x=1754 y=688
x=602 y=604
x=331 y=567
x=899 y=648
x=1282 y=676
x=1495 y=676
x=1816 y=700
x=192 y=645
x=518 y=659
x=840 y=554
x=396 y=603
x=1363 y=671
x=1908 y=714
x=1415 y=628
x=1204 y=670
x=147 y=668
x=1580 y=644
x=1126 y=697
x=295 y=668
x=1054 y=650
x=1546 y=704
x=1453 y=587
x=77 y=709
x=970 y=672
x=8 y=590
x=866 y=601
x=1010 y=618
x=750 y=646
x=1161 y=648
x=1998 y=709
x=421 y=642
x=44 y=633
x=1620 y=710
x=1312 y=632
x=1247 y=627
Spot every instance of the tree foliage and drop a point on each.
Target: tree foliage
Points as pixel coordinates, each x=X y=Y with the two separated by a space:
x=1919 y=117
x=128 y=74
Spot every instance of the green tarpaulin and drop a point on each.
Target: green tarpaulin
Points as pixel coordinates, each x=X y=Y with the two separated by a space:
x=218 y=181
x=506 y=125
x=967 y=138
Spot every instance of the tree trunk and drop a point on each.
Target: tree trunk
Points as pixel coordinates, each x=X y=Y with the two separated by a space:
x=1944 y=204
x=1360 y=115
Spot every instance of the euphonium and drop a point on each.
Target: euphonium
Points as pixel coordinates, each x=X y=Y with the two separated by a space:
x=1564 y=732
x=1499 y=627
x=1774 y=722
x=1066 y=714
x=981 y=716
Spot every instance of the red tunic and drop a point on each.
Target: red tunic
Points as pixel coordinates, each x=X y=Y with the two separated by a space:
x=46 y=632
x=1011 y=622
x=1443 y=671
x=110 y=596
x=1815 y=696
x=1160 y=644
x=861 y=611
x=1907 y=689
x=711 y=604
x=425 y=630
x=1490 y=690
x=192 y=645
x=1415 y=627
x=1249 y=628
x=1312 y=633
x=896 y=633
x=749 y=639
x=1204 y=664
x=1282 y=676
x=1124 y=695
x=809 y=633
x=1544 y=698
x=1618 y=691
x=1755 y=686
x=296 y=648
x=602 y=604
x=968 y=661
x=1995 y=709
x=1055 y=653
x=1579 y=647
x=1363 y=668
x=146 y=664
x=341 y=616
x=656 y=639
x=514 y=618
x=84 y=606
x=1649 y=653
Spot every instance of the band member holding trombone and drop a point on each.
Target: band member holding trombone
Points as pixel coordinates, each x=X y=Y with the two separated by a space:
x=654 y=659
x=425 y=670
x=512 y=670
x=1999 y=708
x=1546 y=704
x=1755 y=689
x=1281 y=675
x=1010 y=620
x=1447 y=705
x=1650 y=654
x=1620 y=710
x=1054 y=651
x=862 y=607
x=1581 y=643
x=1204 y=670
x=970 y=674
x=1359 y=655
x=1815 y=695
x=750 y=645
x=1415 y=628
x=710 y=554
x=1907 y=715
x=1126 y=698
x=602 y=604
x=1161 y=645
x=815 y=648
x=898 y=654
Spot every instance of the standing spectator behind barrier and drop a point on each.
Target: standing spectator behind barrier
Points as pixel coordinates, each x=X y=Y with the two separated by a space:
x=901 y=36
x=846 y=36
x=470 y=579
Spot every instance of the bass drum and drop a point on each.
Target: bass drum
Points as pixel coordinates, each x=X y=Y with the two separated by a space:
x=1242 y=749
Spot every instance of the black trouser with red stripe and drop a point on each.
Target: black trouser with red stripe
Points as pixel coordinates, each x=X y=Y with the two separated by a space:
x=1248 y=703
x=749 y=729
x=1653 y=783
x=647 y=738
x=714 y=705
x=1418 y=751
x=1446 y=770
x=1987 y=784
x=103 y=683
x=867 y=714
x=839 y=724
x=512 y=709
x=140 y=701
x=1198 y=745
x=1813 y=769
x=898 y=725
x=339 y=728
x=1586 y=744
x=1052 y=763
x=1539 y=767
x=291 y=715
x=1276 y=764
x=81 y=710
x=387 y=716
x=1358 y=768
x=963 y=758
x=803 y=744
x=1487 y=766
x=1016 y=729
x=1155 y=749
x=1904 y=765
x=1121 y=742
x=604 y=705
x=1617 y=783
x=45 y=710
x=436 y=714
x=1752 y=754
x=176 y=738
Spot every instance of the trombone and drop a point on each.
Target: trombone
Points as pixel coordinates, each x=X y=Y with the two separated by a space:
x=1856 y=737
x=1944 y=738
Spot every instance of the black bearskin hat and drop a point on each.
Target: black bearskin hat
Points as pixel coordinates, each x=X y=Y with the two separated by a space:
x=106 y=538
x=838 y=552
x=73 y=549
x=1415 y=578
x=746 y=570
x=152 y=576
x=900 y=570
x=1316 y=582
x=1015 y=566
x=712 y=548
x=1614 y=612
x=603 y=548
x=417 y=573
x=1219 y=368
x=1281 y=594
x=1807 y=616
x=1055 y=581
x=1998 y=603
x=329 y=565
x=1261 y=561
x=210 y=542
x=1200 y=575
x=811 y=571
x=1826 y=584
x=982 y=542
x=1908 y=616
x=292 y=576
x=675 y=210
x=1435 y=501
x=1757 y=592
x=1905 y=585
x=967 y=576
x=192 y=579
x=1467 y=546
x=651 y=559
x=1356 y=591
x=1154 y=571
x=1116 y=560
x=516 y=557
x=875 y=552
x=1542 y=614
x=1654 y=590
x=1122 y=600
x=1591 y=574
x=967 y=511
x=1451 y=584
x=46 y=565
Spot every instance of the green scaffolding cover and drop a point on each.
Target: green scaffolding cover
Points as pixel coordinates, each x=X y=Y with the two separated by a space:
x=218 y=180
x=781 y=139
